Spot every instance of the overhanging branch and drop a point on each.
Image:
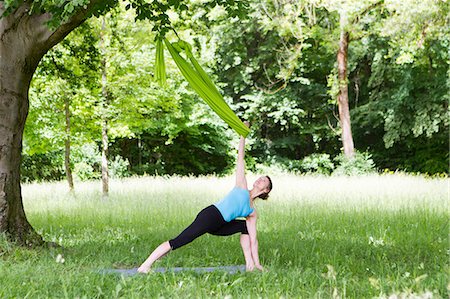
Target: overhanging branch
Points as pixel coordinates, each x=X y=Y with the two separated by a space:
x=53 y=37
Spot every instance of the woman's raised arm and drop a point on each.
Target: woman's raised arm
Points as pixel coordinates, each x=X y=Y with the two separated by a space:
x=241 y=181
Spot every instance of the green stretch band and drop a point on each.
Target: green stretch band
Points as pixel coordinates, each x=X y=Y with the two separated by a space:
x=203 y=86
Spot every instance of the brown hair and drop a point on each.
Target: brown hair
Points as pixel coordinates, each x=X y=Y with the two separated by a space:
x=265 y=196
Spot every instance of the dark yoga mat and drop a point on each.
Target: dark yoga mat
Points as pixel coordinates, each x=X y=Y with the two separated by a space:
x=131 y=272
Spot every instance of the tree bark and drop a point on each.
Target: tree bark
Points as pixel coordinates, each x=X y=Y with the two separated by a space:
x=67 y=145
x=13 y=112
x=105 y=174
x=344 y=111
x=24 y=39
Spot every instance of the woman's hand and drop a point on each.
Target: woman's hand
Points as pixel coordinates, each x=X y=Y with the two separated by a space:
x=247 y=123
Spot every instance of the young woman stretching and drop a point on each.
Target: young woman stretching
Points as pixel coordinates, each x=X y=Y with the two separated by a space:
x=219 y=219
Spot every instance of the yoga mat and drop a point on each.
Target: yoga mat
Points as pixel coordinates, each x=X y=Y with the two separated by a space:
x=133 y=271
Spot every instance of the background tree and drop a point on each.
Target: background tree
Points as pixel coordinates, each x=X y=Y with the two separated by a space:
x=253 y=59
x=104 y=108
x=350 y=14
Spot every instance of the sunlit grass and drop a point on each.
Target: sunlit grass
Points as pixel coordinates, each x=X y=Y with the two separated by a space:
x=319 y=237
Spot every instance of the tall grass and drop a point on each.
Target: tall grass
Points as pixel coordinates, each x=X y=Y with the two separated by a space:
x=319 y=237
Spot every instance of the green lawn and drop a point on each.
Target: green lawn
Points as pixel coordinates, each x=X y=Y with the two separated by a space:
x=319 y=237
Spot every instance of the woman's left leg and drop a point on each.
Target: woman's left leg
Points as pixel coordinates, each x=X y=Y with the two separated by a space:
x=245 y=245
x=239 y=226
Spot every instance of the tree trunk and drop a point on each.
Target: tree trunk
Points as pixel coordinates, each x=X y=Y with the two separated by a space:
x=13 y=112
x=67 y=145
x=105 y=175
x=24 y=39
x=344 y=111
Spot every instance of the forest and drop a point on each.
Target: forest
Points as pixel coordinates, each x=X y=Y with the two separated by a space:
x=276 y=63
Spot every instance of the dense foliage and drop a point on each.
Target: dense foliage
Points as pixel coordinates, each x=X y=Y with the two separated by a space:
x=275 y=65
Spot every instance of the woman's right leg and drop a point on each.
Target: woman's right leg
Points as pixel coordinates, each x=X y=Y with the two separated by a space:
x=209 y=219
x=158 y=253
x=205 y=221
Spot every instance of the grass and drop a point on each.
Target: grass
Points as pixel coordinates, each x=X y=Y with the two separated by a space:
x=337 y=237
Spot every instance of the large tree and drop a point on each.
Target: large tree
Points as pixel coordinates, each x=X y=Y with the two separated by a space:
x=27 y=31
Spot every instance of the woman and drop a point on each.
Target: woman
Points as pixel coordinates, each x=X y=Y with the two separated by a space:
x=219 y=219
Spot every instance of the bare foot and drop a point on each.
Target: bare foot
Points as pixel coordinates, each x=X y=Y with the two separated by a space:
x=143 y=269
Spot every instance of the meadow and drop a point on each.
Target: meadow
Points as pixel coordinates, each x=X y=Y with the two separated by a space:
x=377 y=236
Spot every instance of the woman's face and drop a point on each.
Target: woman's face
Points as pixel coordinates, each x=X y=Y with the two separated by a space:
x=262 y=183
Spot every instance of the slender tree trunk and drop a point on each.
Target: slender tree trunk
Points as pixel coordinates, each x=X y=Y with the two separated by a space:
x=140 y=152
x=105 y=175
x=67 y=145
x=344 y=111
x=24 y=39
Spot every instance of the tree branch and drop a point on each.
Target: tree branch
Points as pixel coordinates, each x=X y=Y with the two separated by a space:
x=54 y=37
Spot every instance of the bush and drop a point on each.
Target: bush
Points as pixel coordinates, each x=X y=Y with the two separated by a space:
x=315 y=163
x=361 y=163
x=88 y=153
x=87 y=162
x=294 y=166
x=198 y=149
x=84 y=171
x=42 y=167
x=272 y=169
x=118 y=168
x=318 y=163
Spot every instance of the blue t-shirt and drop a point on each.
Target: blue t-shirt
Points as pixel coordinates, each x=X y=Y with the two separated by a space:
x=235 y=204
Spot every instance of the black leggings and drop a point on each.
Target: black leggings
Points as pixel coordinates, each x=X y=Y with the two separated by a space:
x=209 y=220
